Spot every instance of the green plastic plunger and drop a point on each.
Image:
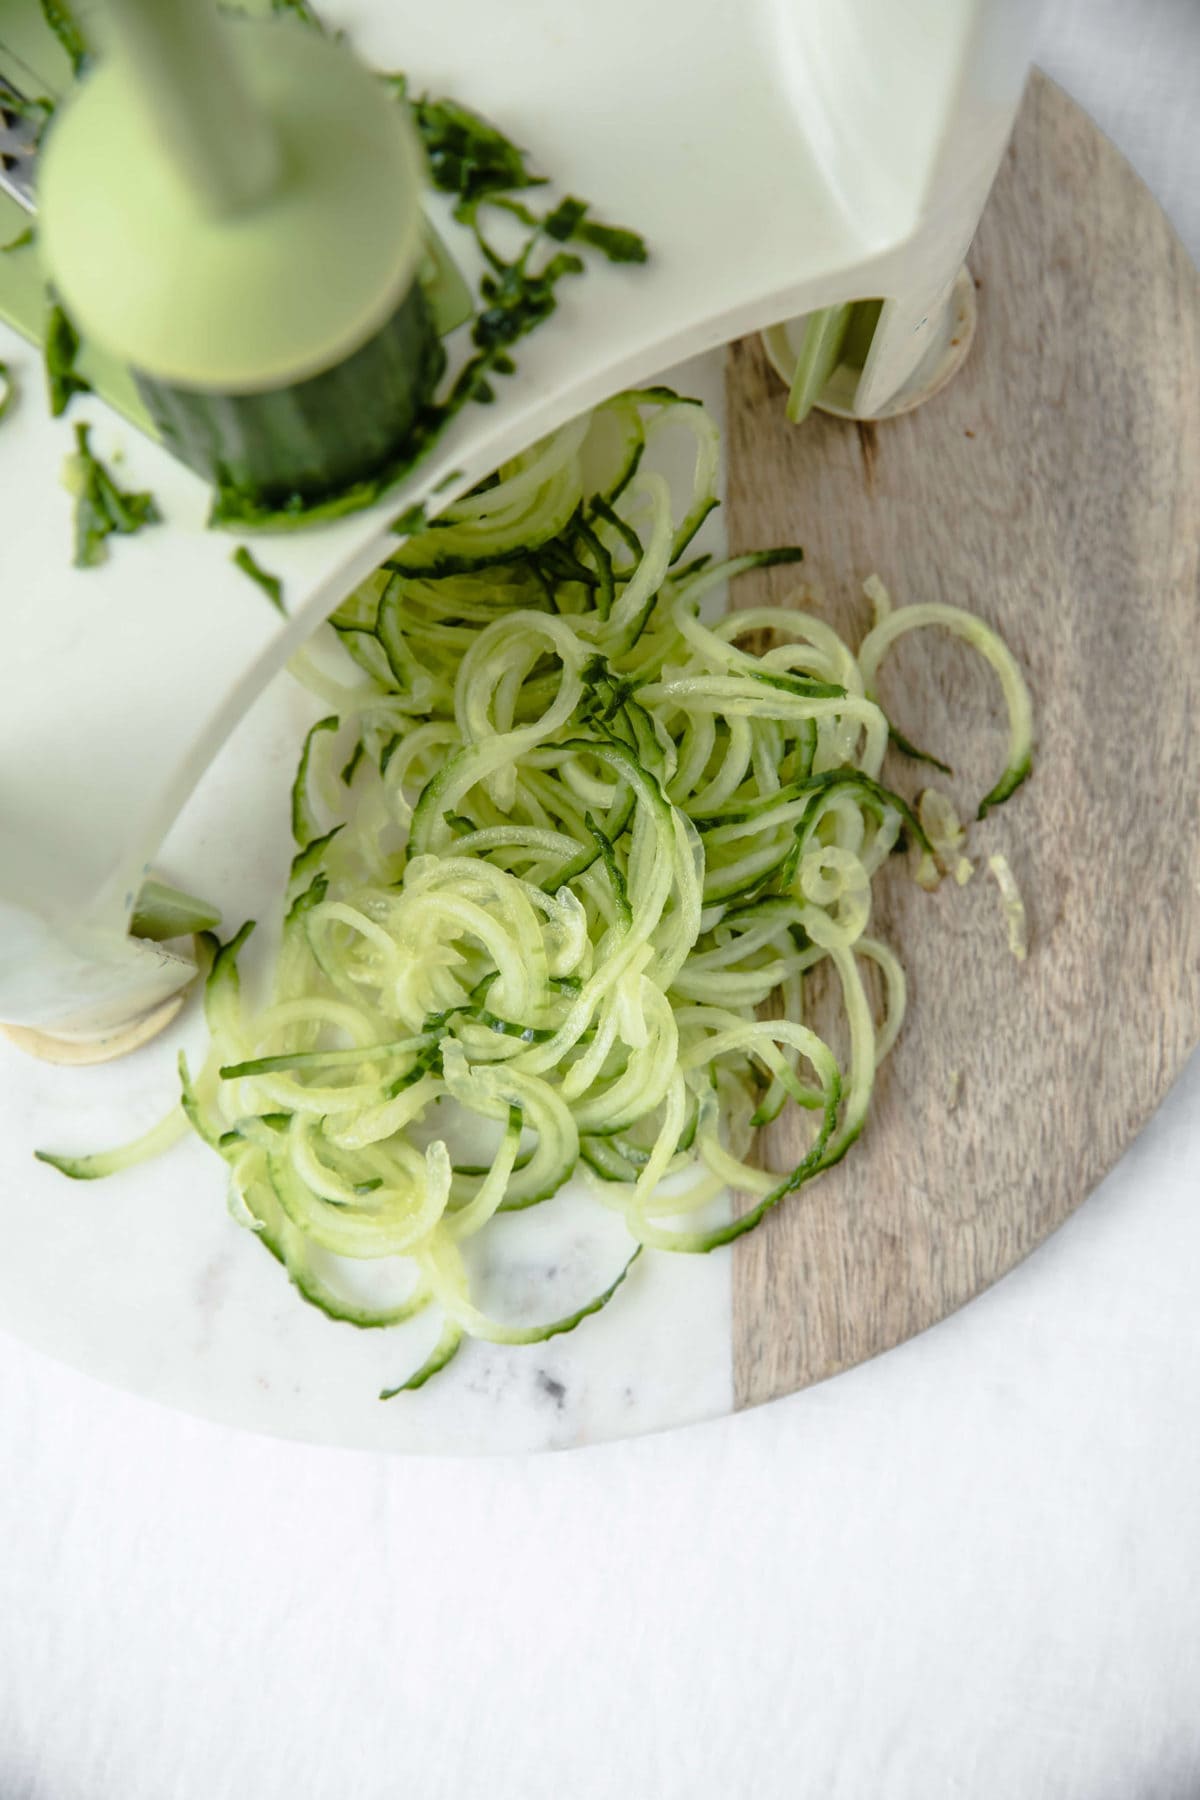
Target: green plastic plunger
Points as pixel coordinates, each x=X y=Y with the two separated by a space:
x=232 y=206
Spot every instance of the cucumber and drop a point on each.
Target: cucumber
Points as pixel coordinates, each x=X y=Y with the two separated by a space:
x=161 y=912
x=292 y=446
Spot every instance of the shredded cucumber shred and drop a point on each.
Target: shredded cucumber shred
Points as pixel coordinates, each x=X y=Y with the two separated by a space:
x=1015 y=920
x=586 y=832
x=166 y=1132
x=894 y=623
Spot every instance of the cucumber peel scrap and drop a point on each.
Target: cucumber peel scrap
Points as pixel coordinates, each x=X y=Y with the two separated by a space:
x=592 y=833
x=59 y=351
x=161 y=912
x=102 y=508
x=244 y=559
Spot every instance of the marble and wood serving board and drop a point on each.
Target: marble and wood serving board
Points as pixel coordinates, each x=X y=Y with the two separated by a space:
x=1054 y=488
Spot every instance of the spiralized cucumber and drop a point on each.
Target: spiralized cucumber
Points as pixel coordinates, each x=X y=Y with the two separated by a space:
x=894 y=624
x=562 y=841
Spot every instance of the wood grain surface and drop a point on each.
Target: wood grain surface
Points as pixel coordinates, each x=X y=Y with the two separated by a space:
x=1054 y=488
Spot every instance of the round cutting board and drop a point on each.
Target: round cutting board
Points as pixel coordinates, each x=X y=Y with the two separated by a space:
x=1054 y=488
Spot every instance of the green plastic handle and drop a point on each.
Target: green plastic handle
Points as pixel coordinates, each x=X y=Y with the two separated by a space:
x=162 y=261
x=193 y=94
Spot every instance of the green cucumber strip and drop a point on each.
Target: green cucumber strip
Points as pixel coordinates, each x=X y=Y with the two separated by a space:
x=222 y=990
x=101 y=507
x=412 y=520
x=60 y=349
x=61 y=20
x=602 y=1157
x=1014 y=777
x=878 y=797
x=304 y=821
x=568 y=223
x=497 y=1333
x=914 y=754
x=996 y=654
x=299 y=9
x=304 y=902
x=323 y=1059
x=161 y=912
x=162 y=1136
x=449 y=1340
x=629 y=537
x=364 y=648
x=194 y=1110
x=243 y=558
x=824 y=336
x=612 y=868
x=802 y=685
x=307 y=862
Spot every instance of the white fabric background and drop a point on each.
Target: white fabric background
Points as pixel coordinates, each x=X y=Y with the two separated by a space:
x=969 y=1569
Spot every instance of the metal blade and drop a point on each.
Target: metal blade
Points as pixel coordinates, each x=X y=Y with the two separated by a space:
x=20 y=124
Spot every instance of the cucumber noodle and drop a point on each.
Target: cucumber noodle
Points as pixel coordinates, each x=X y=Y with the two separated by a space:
x=558 y=845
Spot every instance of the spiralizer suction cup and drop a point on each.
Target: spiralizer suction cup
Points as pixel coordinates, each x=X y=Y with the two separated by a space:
x=233 y=209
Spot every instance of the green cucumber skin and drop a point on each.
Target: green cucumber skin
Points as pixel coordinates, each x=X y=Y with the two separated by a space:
x=318 y=435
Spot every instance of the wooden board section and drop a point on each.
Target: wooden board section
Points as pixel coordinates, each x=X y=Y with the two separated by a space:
x=1054 y=488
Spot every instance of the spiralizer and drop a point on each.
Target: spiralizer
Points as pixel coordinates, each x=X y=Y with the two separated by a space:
x=233 y=213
